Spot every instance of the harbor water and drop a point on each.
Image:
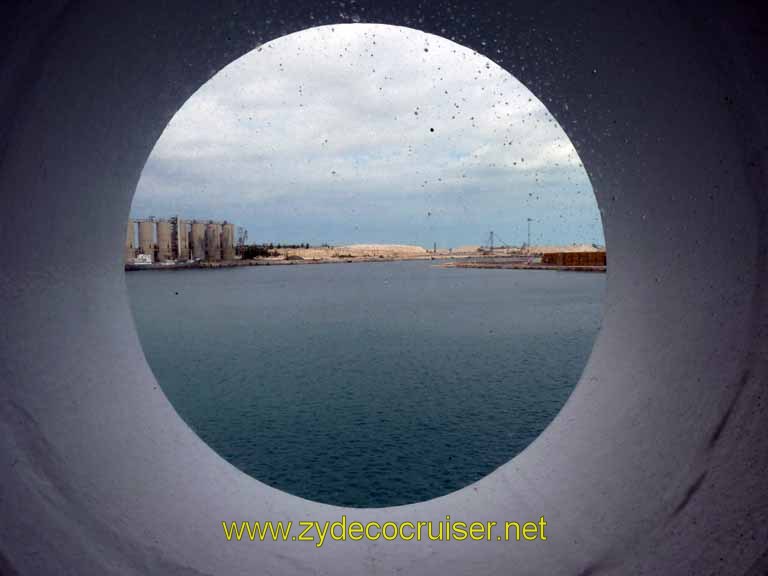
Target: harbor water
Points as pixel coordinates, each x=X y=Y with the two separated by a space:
x=367 y=384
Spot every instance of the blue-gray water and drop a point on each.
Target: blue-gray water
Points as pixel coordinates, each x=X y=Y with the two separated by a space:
x=367 y=384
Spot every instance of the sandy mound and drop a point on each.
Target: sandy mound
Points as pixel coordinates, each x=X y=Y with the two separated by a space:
x=373 y=250
x=356 y=251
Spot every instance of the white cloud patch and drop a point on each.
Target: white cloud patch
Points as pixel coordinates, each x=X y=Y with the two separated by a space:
x=370 y=133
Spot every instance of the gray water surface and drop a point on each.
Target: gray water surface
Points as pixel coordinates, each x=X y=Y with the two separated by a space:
x=367 y=384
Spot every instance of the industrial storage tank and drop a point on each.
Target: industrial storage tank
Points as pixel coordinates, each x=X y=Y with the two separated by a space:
x=147 y=238
x=164 y=249
x=130 y=252
x=213 y=242
x=197 y=240
x=228 y=241
x=180 y=239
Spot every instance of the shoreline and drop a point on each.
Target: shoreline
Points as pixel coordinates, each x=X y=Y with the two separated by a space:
x=273 y=262
x=500 y=262
x=522 y=266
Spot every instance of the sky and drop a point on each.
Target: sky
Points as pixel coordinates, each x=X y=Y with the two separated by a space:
x=361 y=133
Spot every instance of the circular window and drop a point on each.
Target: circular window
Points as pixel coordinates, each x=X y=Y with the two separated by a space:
x=372 y=265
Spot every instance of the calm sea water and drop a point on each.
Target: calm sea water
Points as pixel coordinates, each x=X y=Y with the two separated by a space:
x=367 y=384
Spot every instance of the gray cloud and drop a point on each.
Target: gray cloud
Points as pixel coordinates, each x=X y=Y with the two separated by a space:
x=369 y=133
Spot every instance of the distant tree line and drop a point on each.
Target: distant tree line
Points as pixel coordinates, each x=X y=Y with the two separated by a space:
x=291 y=246
x=256 y=251
x=267 y=250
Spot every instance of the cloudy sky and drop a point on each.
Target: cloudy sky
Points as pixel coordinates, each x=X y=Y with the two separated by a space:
x=366 y=133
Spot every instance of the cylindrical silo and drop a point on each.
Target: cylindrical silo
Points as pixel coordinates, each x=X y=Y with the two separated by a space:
x=197 y=240
x=130 y=253
x=164 y=235
x=213 y=242
x=181 y=239
x=228 y=241
x=218 y=229
x=147 y=238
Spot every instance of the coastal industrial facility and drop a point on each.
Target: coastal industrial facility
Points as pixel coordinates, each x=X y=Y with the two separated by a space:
x=177 y=240
x=174 y=243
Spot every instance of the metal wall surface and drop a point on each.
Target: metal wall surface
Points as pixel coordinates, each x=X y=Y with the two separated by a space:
x=656 y=464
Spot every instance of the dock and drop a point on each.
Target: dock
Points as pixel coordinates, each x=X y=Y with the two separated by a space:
x=521 y=266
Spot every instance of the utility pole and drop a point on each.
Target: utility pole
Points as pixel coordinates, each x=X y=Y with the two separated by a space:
x=491 y=244
x=528 y=245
